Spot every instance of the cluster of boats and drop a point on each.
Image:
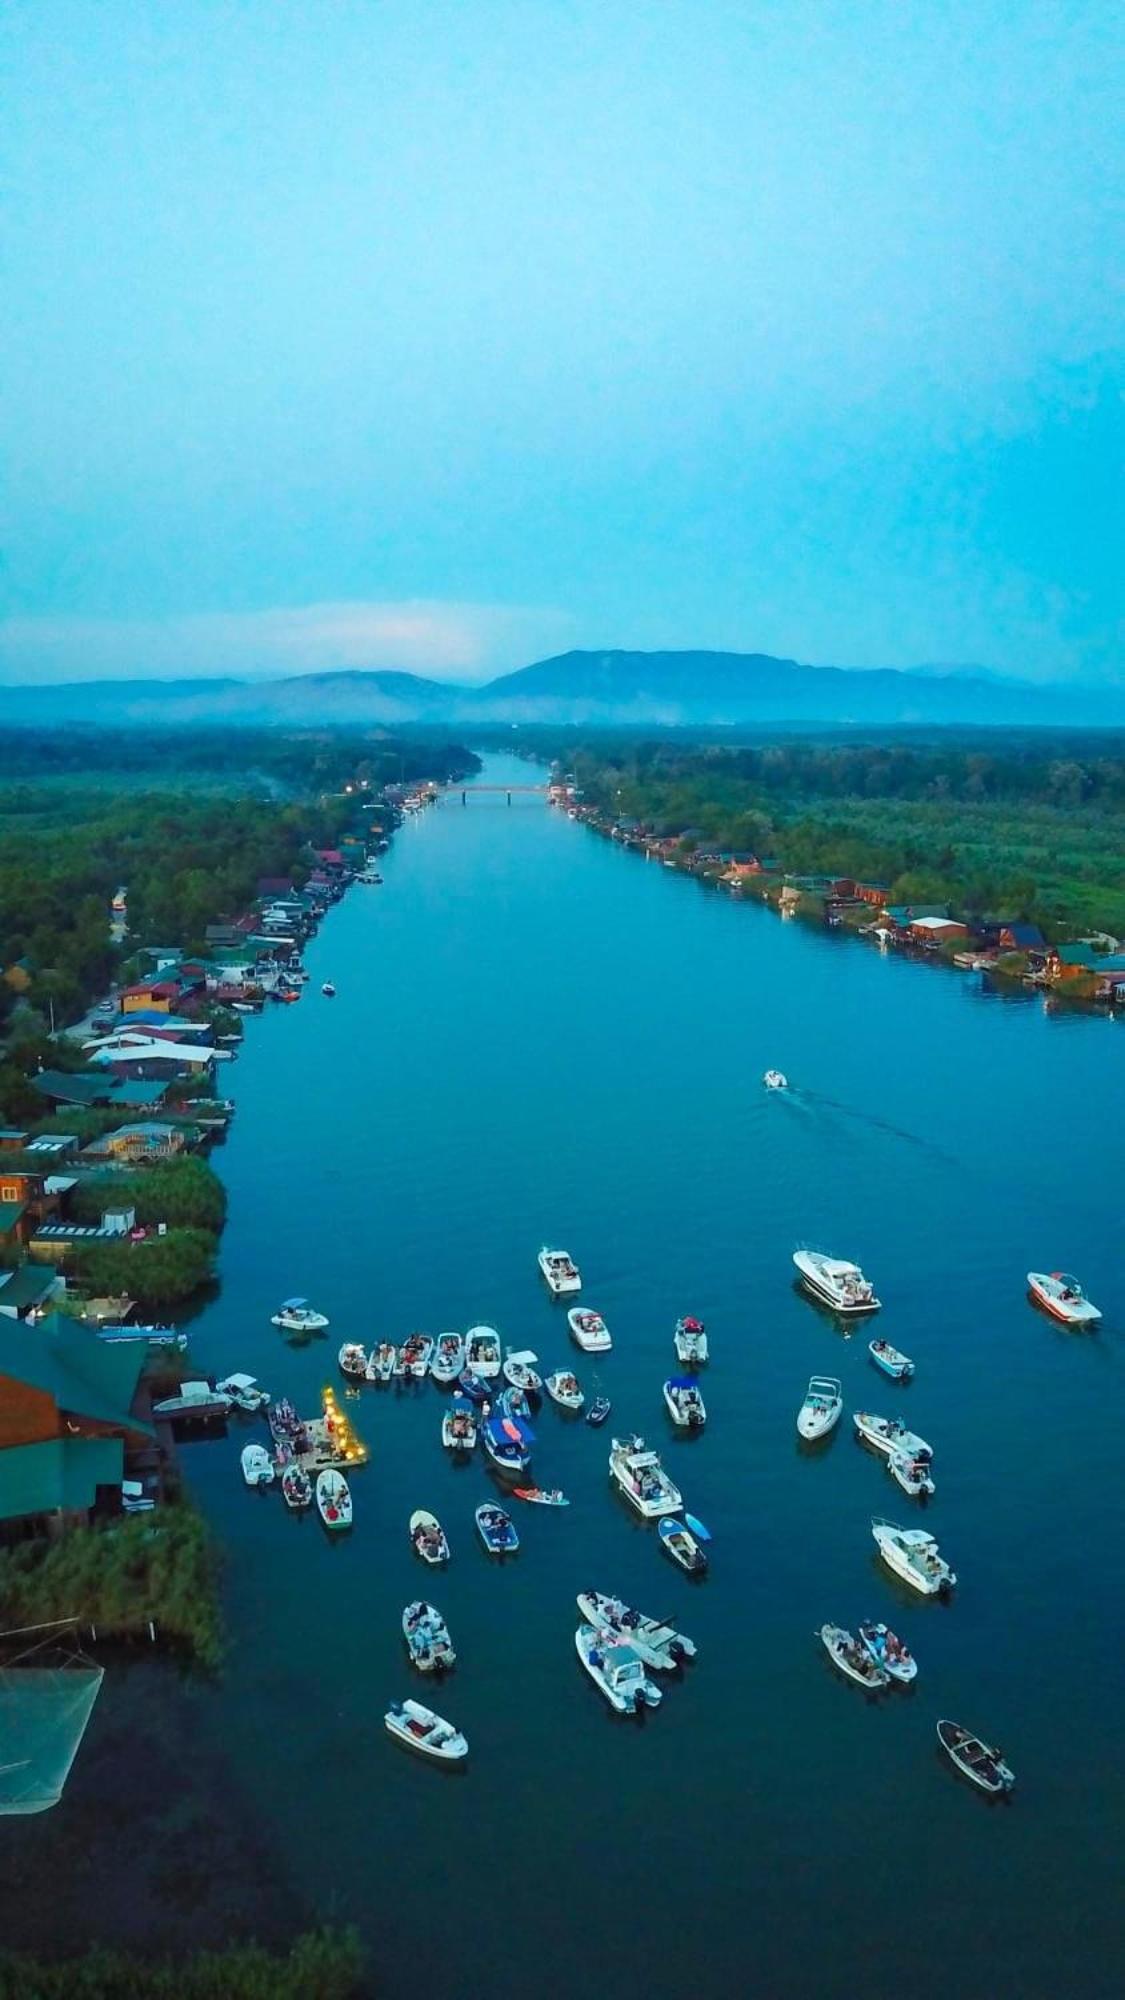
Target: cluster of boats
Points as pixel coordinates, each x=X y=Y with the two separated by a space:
x=619 y=1646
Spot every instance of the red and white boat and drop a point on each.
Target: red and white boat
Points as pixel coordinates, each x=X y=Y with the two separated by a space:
x=1062 y=1296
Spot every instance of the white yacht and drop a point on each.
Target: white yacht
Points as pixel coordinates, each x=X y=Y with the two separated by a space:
x=616 y=1669
x=589 y=1330
x=642 y=1479
x=913 y=1555
x=836 y=1282
x=560 y=1271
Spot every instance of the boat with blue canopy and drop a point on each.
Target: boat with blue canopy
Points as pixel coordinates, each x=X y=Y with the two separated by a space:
x=507 y=1442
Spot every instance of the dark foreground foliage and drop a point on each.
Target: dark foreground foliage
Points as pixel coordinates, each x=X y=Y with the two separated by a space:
x=119 y=1575
x=321 y=1965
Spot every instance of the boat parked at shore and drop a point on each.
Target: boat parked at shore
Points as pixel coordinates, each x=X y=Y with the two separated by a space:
x=914 y=1556
x=836 y=1282
x=975 y=1759
x=1062 y=1296
x=617 y=1670
x=257 y=1465
x=822 y=1408
x=560 y=1271
x=642 y=1479
x=197 y=1401
x=420 y=1729
x=244 y=1393
x=589 y=1329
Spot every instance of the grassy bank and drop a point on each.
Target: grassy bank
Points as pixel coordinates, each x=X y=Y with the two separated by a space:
x=321 y=1965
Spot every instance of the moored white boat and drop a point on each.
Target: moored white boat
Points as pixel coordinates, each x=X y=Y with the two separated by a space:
x=449 y=1357
x=616 y=1669
x=889 y=1652
x=690 y=1342
x=257 y=1466
x=560 y=1271
x=296 y=1488
x=589 y=1329
x=657 y=1642
x=564 y=1389
x=381 y=1362
x=776 y=1079
x=297 y=1316
x=678 y=1541
x=427 y=1637
x=914 y=1556
x=459 y=1426
x=912 y=1473
x=975 y=1759
x=328 y=990
x=1062 y=1296
x=352 y=1358
x=852 y=1658
x=821 y=1410
x=497 y=1529
x=889 y=1434
x=891 y=1360
x=482 y=1351
x=196 y=1400
x=520 y=1372
x=333 y=1499
x=420 y=1729
x=642 y=1479
x=414 y=1355
x=428 y=1537
x=685 y=1404
x=244 y=1393
x=836 y=1282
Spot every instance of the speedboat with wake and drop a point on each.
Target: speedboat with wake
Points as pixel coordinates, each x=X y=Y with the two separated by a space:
x=589 y=1329
x=560 y=1271
x=821 y=1410
x=1062 y=1296
x=598 y=1411
x=459 y=1426
x=657 y=1642
x=427 y=1637
x=685 y=1404
x=690 y=1342
x=975 y=1759
x=836 y=1282
x=852 y=1658
x=420 y=1729
x=889 y=1652
x=642 y=1479
x=914 y=1556
x=617 y=1670
x=776 y=1079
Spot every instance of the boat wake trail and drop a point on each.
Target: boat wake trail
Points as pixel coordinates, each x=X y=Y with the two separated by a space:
x=813 y=1102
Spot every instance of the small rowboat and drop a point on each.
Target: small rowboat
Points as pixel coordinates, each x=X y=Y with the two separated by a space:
x=333 y=1499
x=422 y=1730
x=679 y=1542
x=888 y=1652
x=976 y=1760
x=497 y=1530
x=897 y=1365
x=853 y=1660
x=822 y=1408
x=542 y=1496
x=428 y=1537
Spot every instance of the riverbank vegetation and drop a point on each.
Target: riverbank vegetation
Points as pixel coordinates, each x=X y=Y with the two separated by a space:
x=1008 y=828
x=185 y=1193
x=157 y=1273
x=319 y=1965
x=118 y=1577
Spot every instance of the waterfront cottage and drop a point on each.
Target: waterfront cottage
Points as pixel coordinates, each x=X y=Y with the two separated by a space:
x=140 y=1143
x=28 y=1291
x=936 y=930
x=71 y=1408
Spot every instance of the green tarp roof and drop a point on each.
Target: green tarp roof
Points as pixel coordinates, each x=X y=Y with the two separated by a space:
x=25 y=1286
x=92 y=1378
x=61 y=1472
x=10 y=1212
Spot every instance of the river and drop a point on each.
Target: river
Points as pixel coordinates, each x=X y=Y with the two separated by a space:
x=539 y=1037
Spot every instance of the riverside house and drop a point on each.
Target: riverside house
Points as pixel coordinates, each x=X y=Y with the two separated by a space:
x=72 y=1411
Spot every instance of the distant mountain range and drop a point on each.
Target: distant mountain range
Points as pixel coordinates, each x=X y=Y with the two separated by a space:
x=591 y=689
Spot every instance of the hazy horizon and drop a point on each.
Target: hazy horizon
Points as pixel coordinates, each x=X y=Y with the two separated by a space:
x=444 y=339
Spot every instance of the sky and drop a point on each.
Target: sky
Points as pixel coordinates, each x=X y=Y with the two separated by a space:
x=448 y=334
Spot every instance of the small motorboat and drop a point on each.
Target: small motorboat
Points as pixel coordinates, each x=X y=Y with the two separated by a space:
x=690 y=1341
x=506 y=1442
x=897 y=1365
x=296 y=1488
x=428 y=1537
x=852 y=1658
x=427 y=1637
x=888 y=1652
x=822 y=1408
x=685 y=1404
x=244 y=1393
x=560 y=1271
x=975 y=1759
x=482 y=1351
x=297 y=1316
x=642 y=1479
x=459 y=1426
x=328 y=990
x=519 y=1371
x=414 y=1355
x=257 y=1466
x=598 y=1411
x=888 y=1434
x=473 y=1386
x=658 y=1643
x=912 y=1473
x=381 y=1362
x=776 y=1079
x=514 y=1403
x=449 y=1357
x=836 y=1282
x=589 y=1329
x=563 y=1388
x=352 y=1358
x=914 y=1556
x=197 y=1401
x=679 y=1542
x=616 y=1669
x=420 y=1729
x=333 y=1499
x=542 y=1496
x=497 y=1530
x=1062 y=1296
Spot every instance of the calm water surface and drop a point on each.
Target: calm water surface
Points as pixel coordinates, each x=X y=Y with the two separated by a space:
x=540 y=1037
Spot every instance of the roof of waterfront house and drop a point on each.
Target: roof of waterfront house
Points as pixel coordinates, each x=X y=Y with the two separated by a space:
x=59 y=1473
x=1081 y=955
x=86 y=1376
x=82 y=1088
x=141 y=1093
x=1025 y=937
x=28 y=1285
x=936 y=924
x=911 y=913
